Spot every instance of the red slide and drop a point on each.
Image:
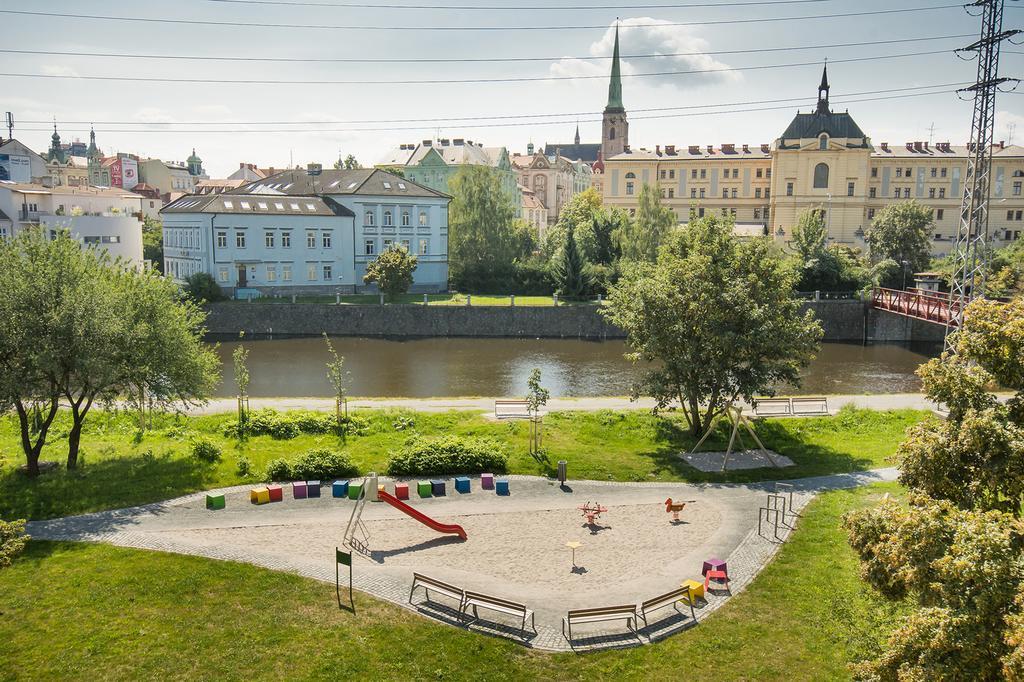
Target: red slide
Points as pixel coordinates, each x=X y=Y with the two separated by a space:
x=421 y=517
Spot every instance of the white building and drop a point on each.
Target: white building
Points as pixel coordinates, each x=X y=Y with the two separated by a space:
x=296 y=233
x=101 y=217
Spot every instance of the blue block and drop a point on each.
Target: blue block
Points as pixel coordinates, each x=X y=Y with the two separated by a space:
x=501 y=486
x=340 y=489
x=462 y=484
x=437 y=487
x=312 y=488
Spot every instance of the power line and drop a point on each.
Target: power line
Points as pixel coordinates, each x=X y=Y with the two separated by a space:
x=367 y=60
x=447 y=81
x=570 y=114
x=352 y=27
x=492 y=8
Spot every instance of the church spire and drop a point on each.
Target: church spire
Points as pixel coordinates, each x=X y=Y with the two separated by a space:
x=577 y=133
x=615 y=84
x=823 y=91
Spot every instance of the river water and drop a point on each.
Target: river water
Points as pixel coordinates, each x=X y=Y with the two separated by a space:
x=451 y=367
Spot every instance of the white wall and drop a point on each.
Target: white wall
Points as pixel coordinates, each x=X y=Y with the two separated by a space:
x=120 y=236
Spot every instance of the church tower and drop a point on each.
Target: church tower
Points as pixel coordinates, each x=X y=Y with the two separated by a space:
x=823 y=91
x=56 y=153
x=615 y=127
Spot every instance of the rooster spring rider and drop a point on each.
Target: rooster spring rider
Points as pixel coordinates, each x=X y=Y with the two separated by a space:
x=675 y=508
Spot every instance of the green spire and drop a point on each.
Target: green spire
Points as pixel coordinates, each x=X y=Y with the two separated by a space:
x=615 y=84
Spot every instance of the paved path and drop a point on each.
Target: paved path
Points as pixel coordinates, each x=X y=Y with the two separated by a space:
x=892 y=401
x=635 y=553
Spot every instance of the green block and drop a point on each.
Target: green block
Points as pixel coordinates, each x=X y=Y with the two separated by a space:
x=215 y=501
x=353 y=490
x=424 y=488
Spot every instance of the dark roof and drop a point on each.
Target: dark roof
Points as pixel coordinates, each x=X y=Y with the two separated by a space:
x=807 y=126
x=4 y=218
x=363 y=181
x=280 y=205
x=583 y=152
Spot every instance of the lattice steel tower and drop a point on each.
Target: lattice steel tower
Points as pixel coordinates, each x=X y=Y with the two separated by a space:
x=970 y=255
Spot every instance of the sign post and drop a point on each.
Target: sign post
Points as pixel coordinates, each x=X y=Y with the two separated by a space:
x=343 y=558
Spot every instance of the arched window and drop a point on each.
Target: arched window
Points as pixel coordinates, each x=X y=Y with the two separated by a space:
x=1018 y=174
x=631 y=176
x=387 y=219
x=368 y=219
x=406 y=219
x=821 y=176
x=611 y=133
x=423 y=218
x=823 y=142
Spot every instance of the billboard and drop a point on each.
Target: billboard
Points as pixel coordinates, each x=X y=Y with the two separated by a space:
x=115 y=173
x=16 y=168
x=129 y=172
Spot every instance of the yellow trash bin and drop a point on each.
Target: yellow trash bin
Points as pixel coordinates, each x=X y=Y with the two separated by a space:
x=696 y=588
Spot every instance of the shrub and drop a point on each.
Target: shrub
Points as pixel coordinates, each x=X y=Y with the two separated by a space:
x=448 y=455
x=243 y=466
x=203 y=288
x=285 y=426
x=206 y=451
x=317 y=464
x=12 y=541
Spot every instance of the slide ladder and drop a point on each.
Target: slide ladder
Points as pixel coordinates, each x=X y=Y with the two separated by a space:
x=451 y=528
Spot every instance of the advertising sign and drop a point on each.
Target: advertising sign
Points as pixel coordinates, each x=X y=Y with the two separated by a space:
x=16 y=168
x=129 y=173
x=115 y=173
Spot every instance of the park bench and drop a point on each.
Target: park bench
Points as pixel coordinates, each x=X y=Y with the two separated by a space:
x=599 y=615
x=443 y=588
x=772 y=407
x=479 y=600
x=511 y=409
x=810 y=405
x=668 y=599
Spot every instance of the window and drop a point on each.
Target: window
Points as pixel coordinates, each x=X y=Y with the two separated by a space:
x=278 y=205
x=268 y=239
x=908 y=172
x=700 y=212
x=325 y=240
x=896 y=193
x=286 y=240
x=906 y=192
x=942 y=192
x=725 y=194
x=789 y=189
x=693 y=173
x=401 y=186
x=311 y=269
x=424 y=247
x=629 y=188
x=872 y=192
x=871 y=214
x=387 y=185
x=244 y=204
x=672 y=174
x=368 y=219
x=222 y=274
x=222 y=240
x=938 y=236
x=931 y=192
x=328 y=273
x=229 y=205
x=935 y=172
x=1016 y=189
x=286 y=272
x=733 y=193
x=850 y=189
x=369 y=247
x=703 y=173
x=821 y=176
x=240 y=240
x=732 y=212
x=611 y=132
x=311 y=240
x=664 y=174
x=423 y=218
x=693 y=192
x=725 y=212
x=1009 y=215
x=271 y=273
x=874 y=172
x=939 y=214
x=406 y=219
x=759 y=172
x=671 y=193
x=735 y=173
x=387 y=244
x=388 y=219
x=767 y=192
x=899 y=172
x=757 y=192
x=405 y=245
x=757 y=214
x=767 y=172
x=942 y=172
x=262 y=205
x=701 y=192
x=823 y=142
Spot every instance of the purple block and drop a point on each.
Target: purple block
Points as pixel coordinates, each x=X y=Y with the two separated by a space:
x=299 y=490
x=713 y=564
x=487 y=481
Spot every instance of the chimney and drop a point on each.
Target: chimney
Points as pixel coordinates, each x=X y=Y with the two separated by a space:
x=746 y=149
x=764 y=149
x=910 y=146
x=458 y=142
x=428 y=143
x=1002 y=144
x=926 y=145
x=917 y=146
x=728 y=148
x=694 y=149
x=242 y=164
x=626 y=149
x=670 y=149
x=711 y=149
x=657 y=149
x=444 y=142
x=885 y=146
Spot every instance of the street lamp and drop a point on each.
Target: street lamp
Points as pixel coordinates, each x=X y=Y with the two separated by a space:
x=906 y=264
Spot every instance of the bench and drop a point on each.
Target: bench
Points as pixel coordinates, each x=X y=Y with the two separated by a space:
x=808 y=405
x=511 y=409
x=802 y=406
x=443 y=588
x=599 y=615
x=511 y=608
x=668 y=599
x=772 y=407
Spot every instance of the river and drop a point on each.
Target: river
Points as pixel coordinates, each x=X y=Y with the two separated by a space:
x=451 y=367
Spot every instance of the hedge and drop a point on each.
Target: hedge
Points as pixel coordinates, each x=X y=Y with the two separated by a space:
x=448 y=455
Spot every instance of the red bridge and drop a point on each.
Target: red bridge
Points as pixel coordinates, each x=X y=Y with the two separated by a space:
x=930 y=306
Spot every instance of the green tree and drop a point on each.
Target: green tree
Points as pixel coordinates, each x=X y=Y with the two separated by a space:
x=713 y=321
x=569 y=270
x=536 y=398
x=201 y=287
x=351 y=163
x=339 y=378
x=482 y=238
x=639 y=239
x=397 y=172
x=901 y=233
x=392 y=271
x=240 y=366
x=153 y=242
x=822 y=267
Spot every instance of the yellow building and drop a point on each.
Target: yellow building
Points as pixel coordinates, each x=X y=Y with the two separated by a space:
x=822 y=161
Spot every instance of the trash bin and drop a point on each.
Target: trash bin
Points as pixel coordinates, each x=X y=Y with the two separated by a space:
x=562 y=464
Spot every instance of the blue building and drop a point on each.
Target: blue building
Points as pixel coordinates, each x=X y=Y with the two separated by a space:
x=298 y=233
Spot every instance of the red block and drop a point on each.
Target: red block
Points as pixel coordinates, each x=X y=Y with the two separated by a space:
x=276 y=493
x=402 y=491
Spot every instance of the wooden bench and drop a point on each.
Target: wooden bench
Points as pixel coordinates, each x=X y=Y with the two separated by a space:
x=810 y=405
x=443 y=588
x=479 y=600
x=599 y=615
x=511 y=409
x=668 y=599
x=772 y=407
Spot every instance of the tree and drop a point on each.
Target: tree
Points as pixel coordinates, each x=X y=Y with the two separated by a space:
x=822 y=267
x=536 y=398
x=339 y=378
x=153 y=242
x=569 y=271
x=482 y=243
x=351 y=163
x=397 y=172
x=201 y=287
x=901 y=233
x=713 y=321
x=639 y=239
x=392 y=271
x=239 y=362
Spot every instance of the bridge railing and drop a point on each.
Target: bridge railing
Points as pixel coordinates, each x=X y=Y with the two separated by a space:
x=932 y=306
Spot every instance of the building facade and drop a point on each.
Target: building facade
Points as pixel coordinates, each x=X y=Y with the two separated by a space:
x=553 y=180
x=18 y=163
x=296 y=233
x=823 y=161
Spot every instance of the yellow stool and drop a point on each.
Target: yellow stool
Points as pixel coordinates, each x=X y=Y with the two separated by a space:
x=696 y=588
x=259 y=496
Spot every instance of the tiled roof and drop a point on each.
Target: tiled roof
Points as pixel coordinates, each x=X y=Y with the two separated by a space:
x=586 y=151
x=365 y=181
x=248 y=204
x=838 y=125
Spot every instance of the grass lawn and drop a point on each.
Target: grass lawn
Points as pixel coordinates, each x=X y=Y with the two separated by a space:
x=123 y=468
x=434 y=299
x=100 y=612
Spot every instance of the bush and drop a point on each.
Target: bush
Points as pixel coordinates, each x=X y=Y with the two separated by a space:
x=318 y=464
x=12 y=541
x=448 y=455
x=206 y=451
x=286 y=426
x=243 y=467
x=203 y=288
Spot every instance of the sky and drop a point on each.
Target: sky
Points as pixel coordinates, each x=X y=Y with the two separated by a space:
x=720 y=100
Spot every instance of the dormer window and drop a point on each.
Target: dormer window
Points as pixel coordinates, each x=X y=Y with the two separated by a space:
x=823 y=143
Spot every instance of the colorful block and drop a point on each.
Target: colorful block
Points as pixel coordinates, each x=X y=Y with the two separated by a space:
x=312 y=488
x=259 y=495
x=424 y=488
x=402 y=491
x=461 y=484
x=487 y=481
x=215 y=501
x=339 y=489
x=696 y=588
x=713 y=564
x=437 y=487
x=276 y=493
x=501 y=486
x=354 y=489
x=299 y=490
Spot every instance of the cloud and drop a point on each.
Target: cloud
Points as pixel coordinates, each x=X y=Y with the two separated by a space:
x=59 y=70
x=681 y=48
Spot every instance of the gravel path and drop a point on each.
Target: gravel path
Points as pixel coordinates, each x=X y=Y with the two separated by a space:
x=515 y=547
